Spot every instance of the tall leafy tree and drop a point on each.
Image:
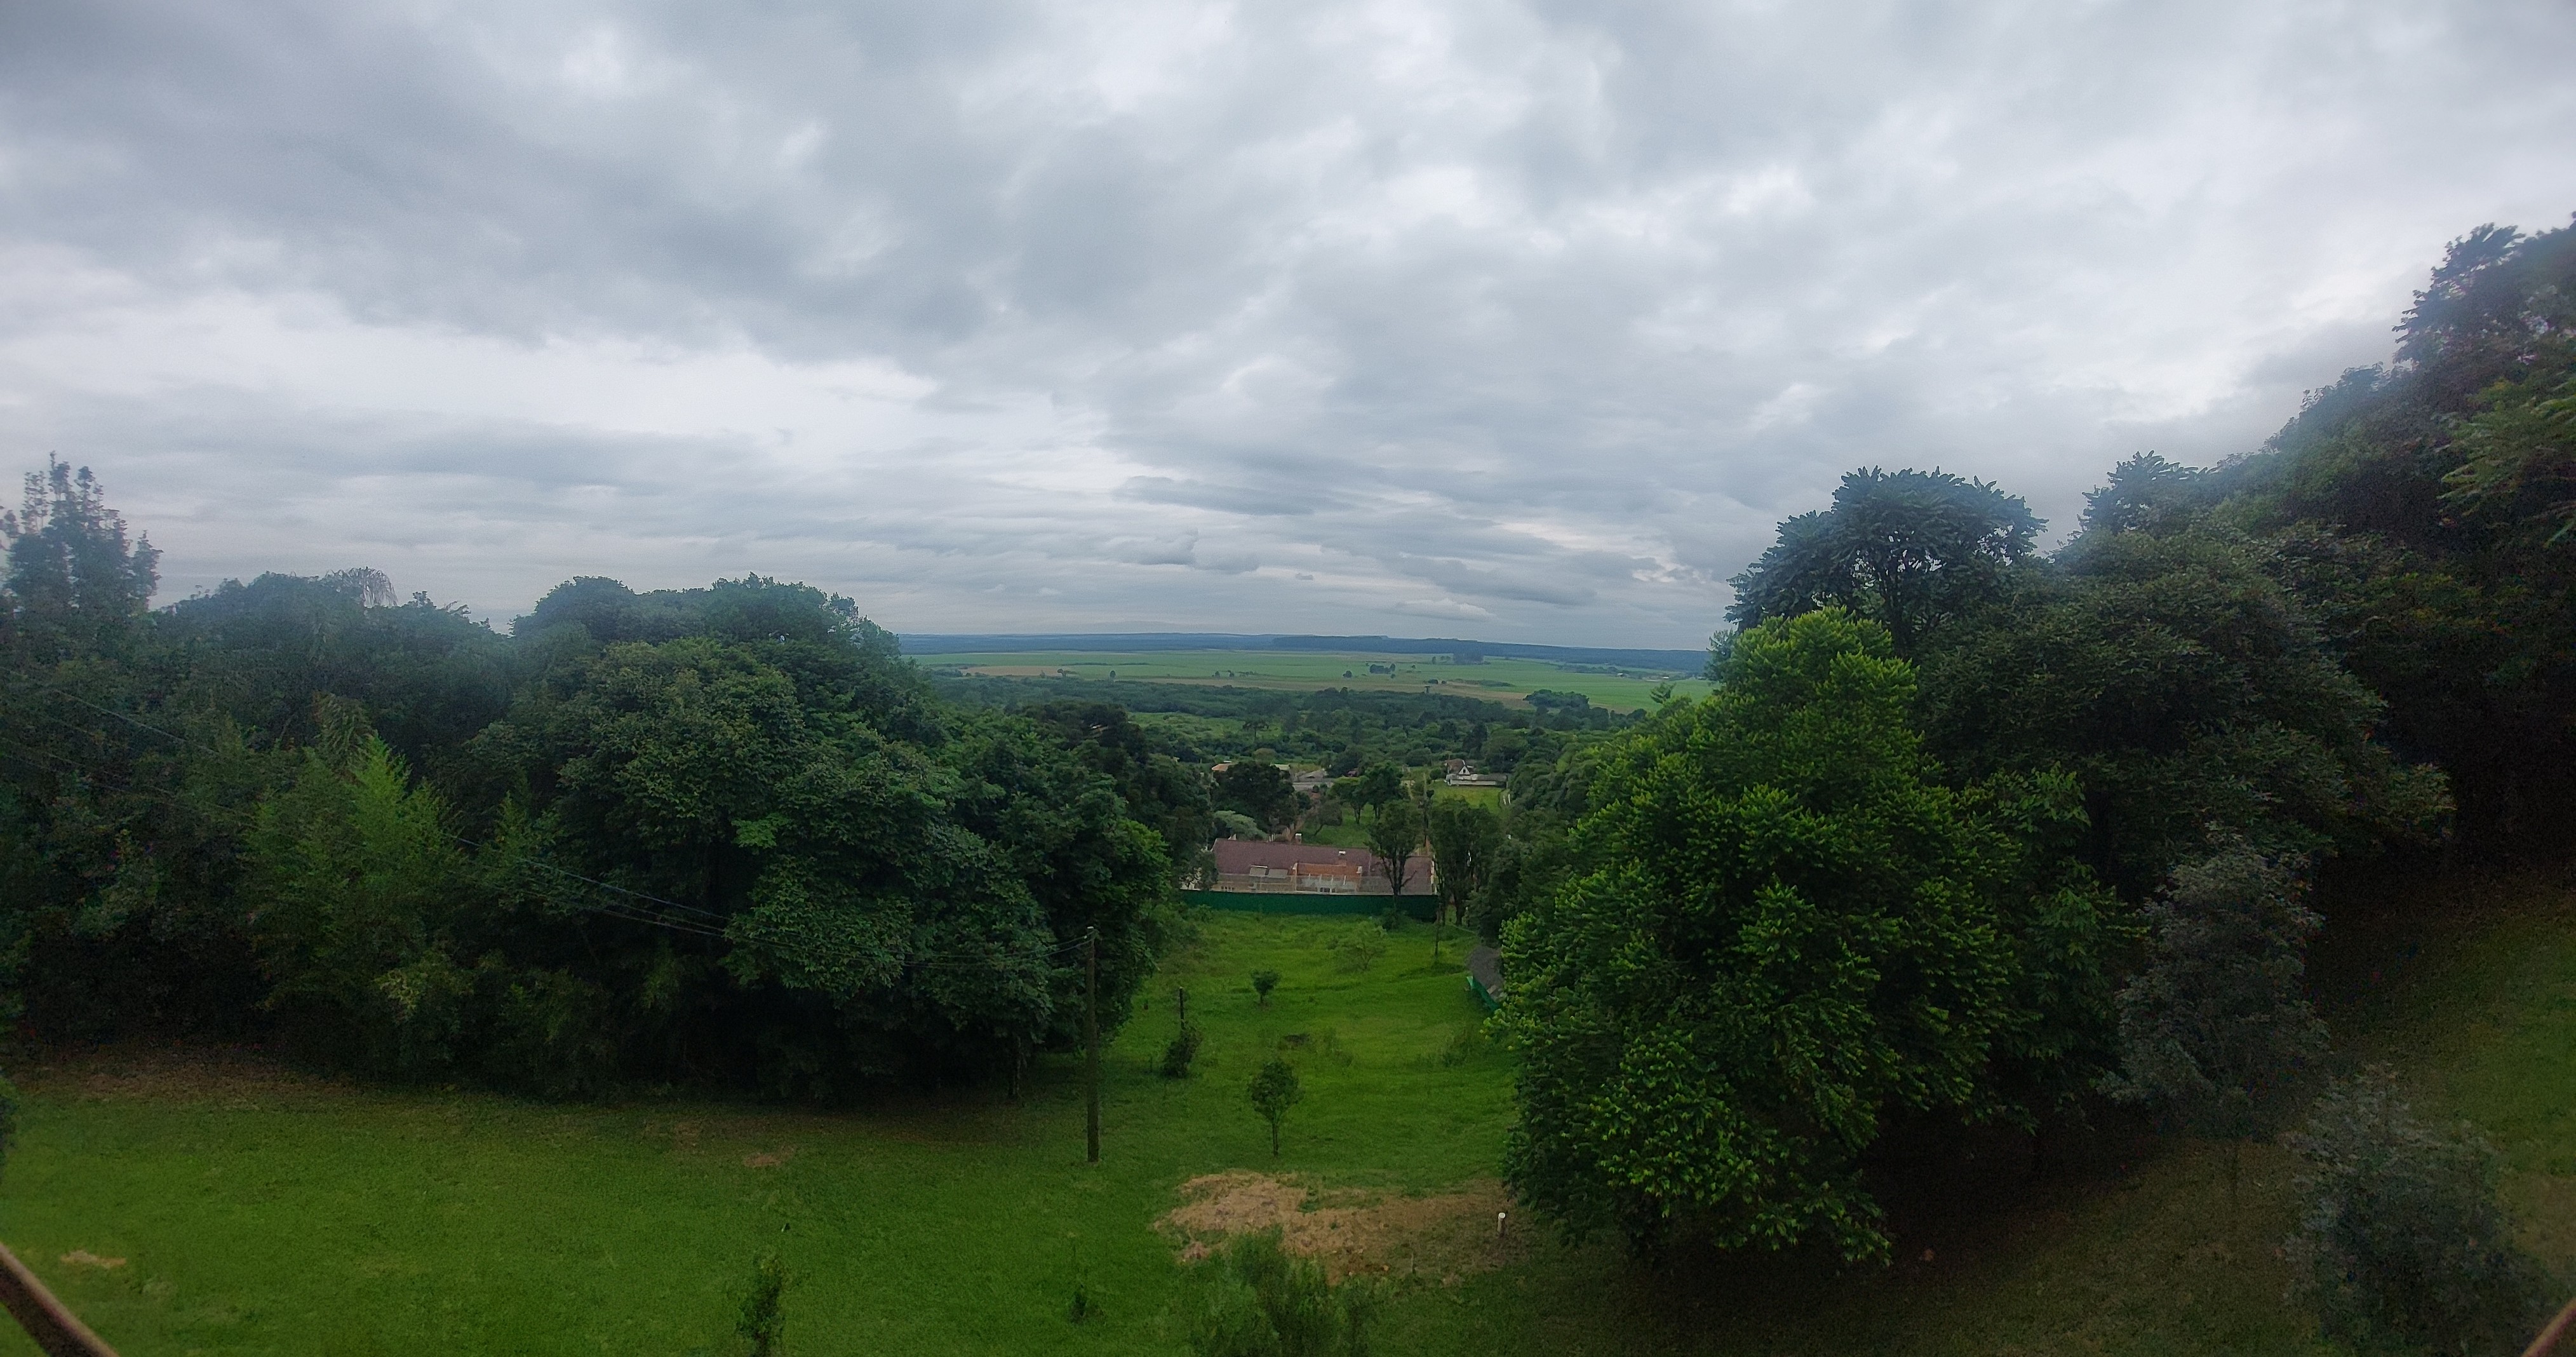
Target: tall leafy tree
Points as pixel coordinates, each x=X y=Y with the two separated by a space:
x=2421 y=509
x=2183 y=686
x=2217 y=1025
x=356 y=878
x=1465 y=840
x=1159 y=791
x=1259 y=790
x=1907 y=549
x=1787 y=934
x=76 y=582
x=1394 y=832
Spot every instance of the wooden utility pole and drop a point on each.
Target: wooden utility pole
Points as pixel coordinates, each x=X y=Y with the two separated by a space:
x=55 y=1329
x=1091 y=1038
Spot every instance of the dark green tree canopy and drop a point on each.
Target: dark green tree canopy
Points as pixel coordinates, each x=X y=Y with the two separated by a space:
x=74 y=581
x=1788 y=931
x=2183 y=687
x=2216 y=1026
x=1907 y=549
x=2146 y=493
x=1260 y=790
x=722 y=835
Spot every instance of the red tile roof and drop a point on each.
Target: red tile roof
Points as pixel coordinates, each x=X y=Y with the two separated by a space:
x=1237 y=857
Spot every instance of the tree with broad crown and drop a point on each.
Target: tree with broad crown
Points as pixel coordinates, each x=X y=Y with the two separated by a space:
x=1259 y=790
x=1787 y=932
x=1465 y=839
x=1372 y=786
x=1394 y=833
x=1906 y=549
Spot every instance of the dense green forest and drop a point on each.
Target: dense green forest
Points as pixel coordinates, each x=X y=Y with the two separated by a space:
x=1971 y=837
x=721 y=835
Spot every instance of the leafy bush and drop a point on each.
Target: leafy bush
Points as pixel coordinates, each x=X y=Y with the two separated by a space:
x=1183 y=1050
x=1262 y=983
x=1254 y=1300
x=8 y=1119
x=1791 y=934
x=762 y=1326
x=1360 y=947
x=1274 y=1089
x=2217 y=1024
x=2402 y=1244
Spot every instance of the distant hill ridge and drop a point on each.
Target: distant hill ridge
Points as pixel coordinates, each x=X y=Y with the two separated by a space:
x=947 y=643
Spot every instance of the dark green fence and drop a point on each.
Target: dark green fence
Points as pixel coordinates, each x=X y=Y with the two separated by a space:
x=1417 y=907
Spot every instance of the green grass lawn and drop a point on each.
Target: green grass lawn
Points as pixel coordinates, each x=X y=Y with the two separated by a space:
x=1498 y=679
x=267 y=1213
x=262 y=1213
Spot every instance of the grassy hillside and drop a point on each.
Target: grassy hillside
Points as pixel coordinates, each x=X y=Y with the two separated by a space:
x=1504 y=680
x=261 y=1211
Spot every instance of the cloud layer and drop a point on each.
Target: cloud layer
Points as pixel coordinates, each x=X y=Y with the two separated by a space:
x=1529 y=316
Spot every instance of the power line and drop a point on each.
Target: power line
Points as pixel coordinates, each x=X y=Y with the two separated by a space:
x=603 y=885
x=121 y=716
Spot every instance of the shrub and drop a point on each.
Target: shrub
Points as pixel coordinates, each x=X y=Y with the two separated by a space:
x=2215 y=1028
x=1274 y=1089
x=2402 y=1243
x=1183 y=1049
x=1255 y=1300
x=1360 y=947
x=1262 y=983
x=763 y=1322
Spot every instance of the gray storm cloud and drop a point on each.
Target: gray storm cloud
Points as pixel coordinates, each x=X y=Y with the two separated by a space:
x=1205 y=316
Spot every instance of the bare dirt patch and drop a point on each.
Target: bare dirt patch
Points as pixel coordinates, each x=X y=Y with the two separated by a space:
x=85 y=1258
x=1350 y=1231
x=237 y=1077
x=769 y=1159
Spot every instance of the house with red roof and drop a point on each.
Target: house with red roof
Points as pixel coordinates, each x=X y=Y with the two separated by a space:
x=1262 y=865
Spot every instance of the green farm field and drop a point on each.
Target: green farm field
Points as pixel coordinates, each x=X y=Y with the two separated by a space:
x=1508 y=681
x=256 y=1210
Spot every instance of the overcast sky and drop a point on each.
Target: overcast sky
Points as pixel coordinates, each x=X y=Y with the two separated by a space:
x=1522 y=321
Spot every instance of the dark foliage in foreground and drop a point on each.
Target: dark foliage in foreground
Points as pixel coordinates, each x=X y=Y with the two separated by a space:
x=2402 y=1244
x=722 y=835
x=1953 y=795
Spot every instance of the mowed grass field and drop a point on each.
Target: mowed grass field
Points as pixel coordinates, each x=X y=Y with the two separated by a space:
x=258 y=1211
x=1508 y=681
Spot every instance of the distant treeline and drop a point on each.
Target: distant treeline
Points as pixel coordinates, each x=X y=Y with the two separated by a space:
x=1338 y=729
x=1609 y=658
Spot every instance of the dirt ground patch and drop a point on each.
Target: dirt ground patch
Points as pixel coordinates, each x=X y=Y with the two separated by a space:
x=1442 y=1236
x=236 y=1076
